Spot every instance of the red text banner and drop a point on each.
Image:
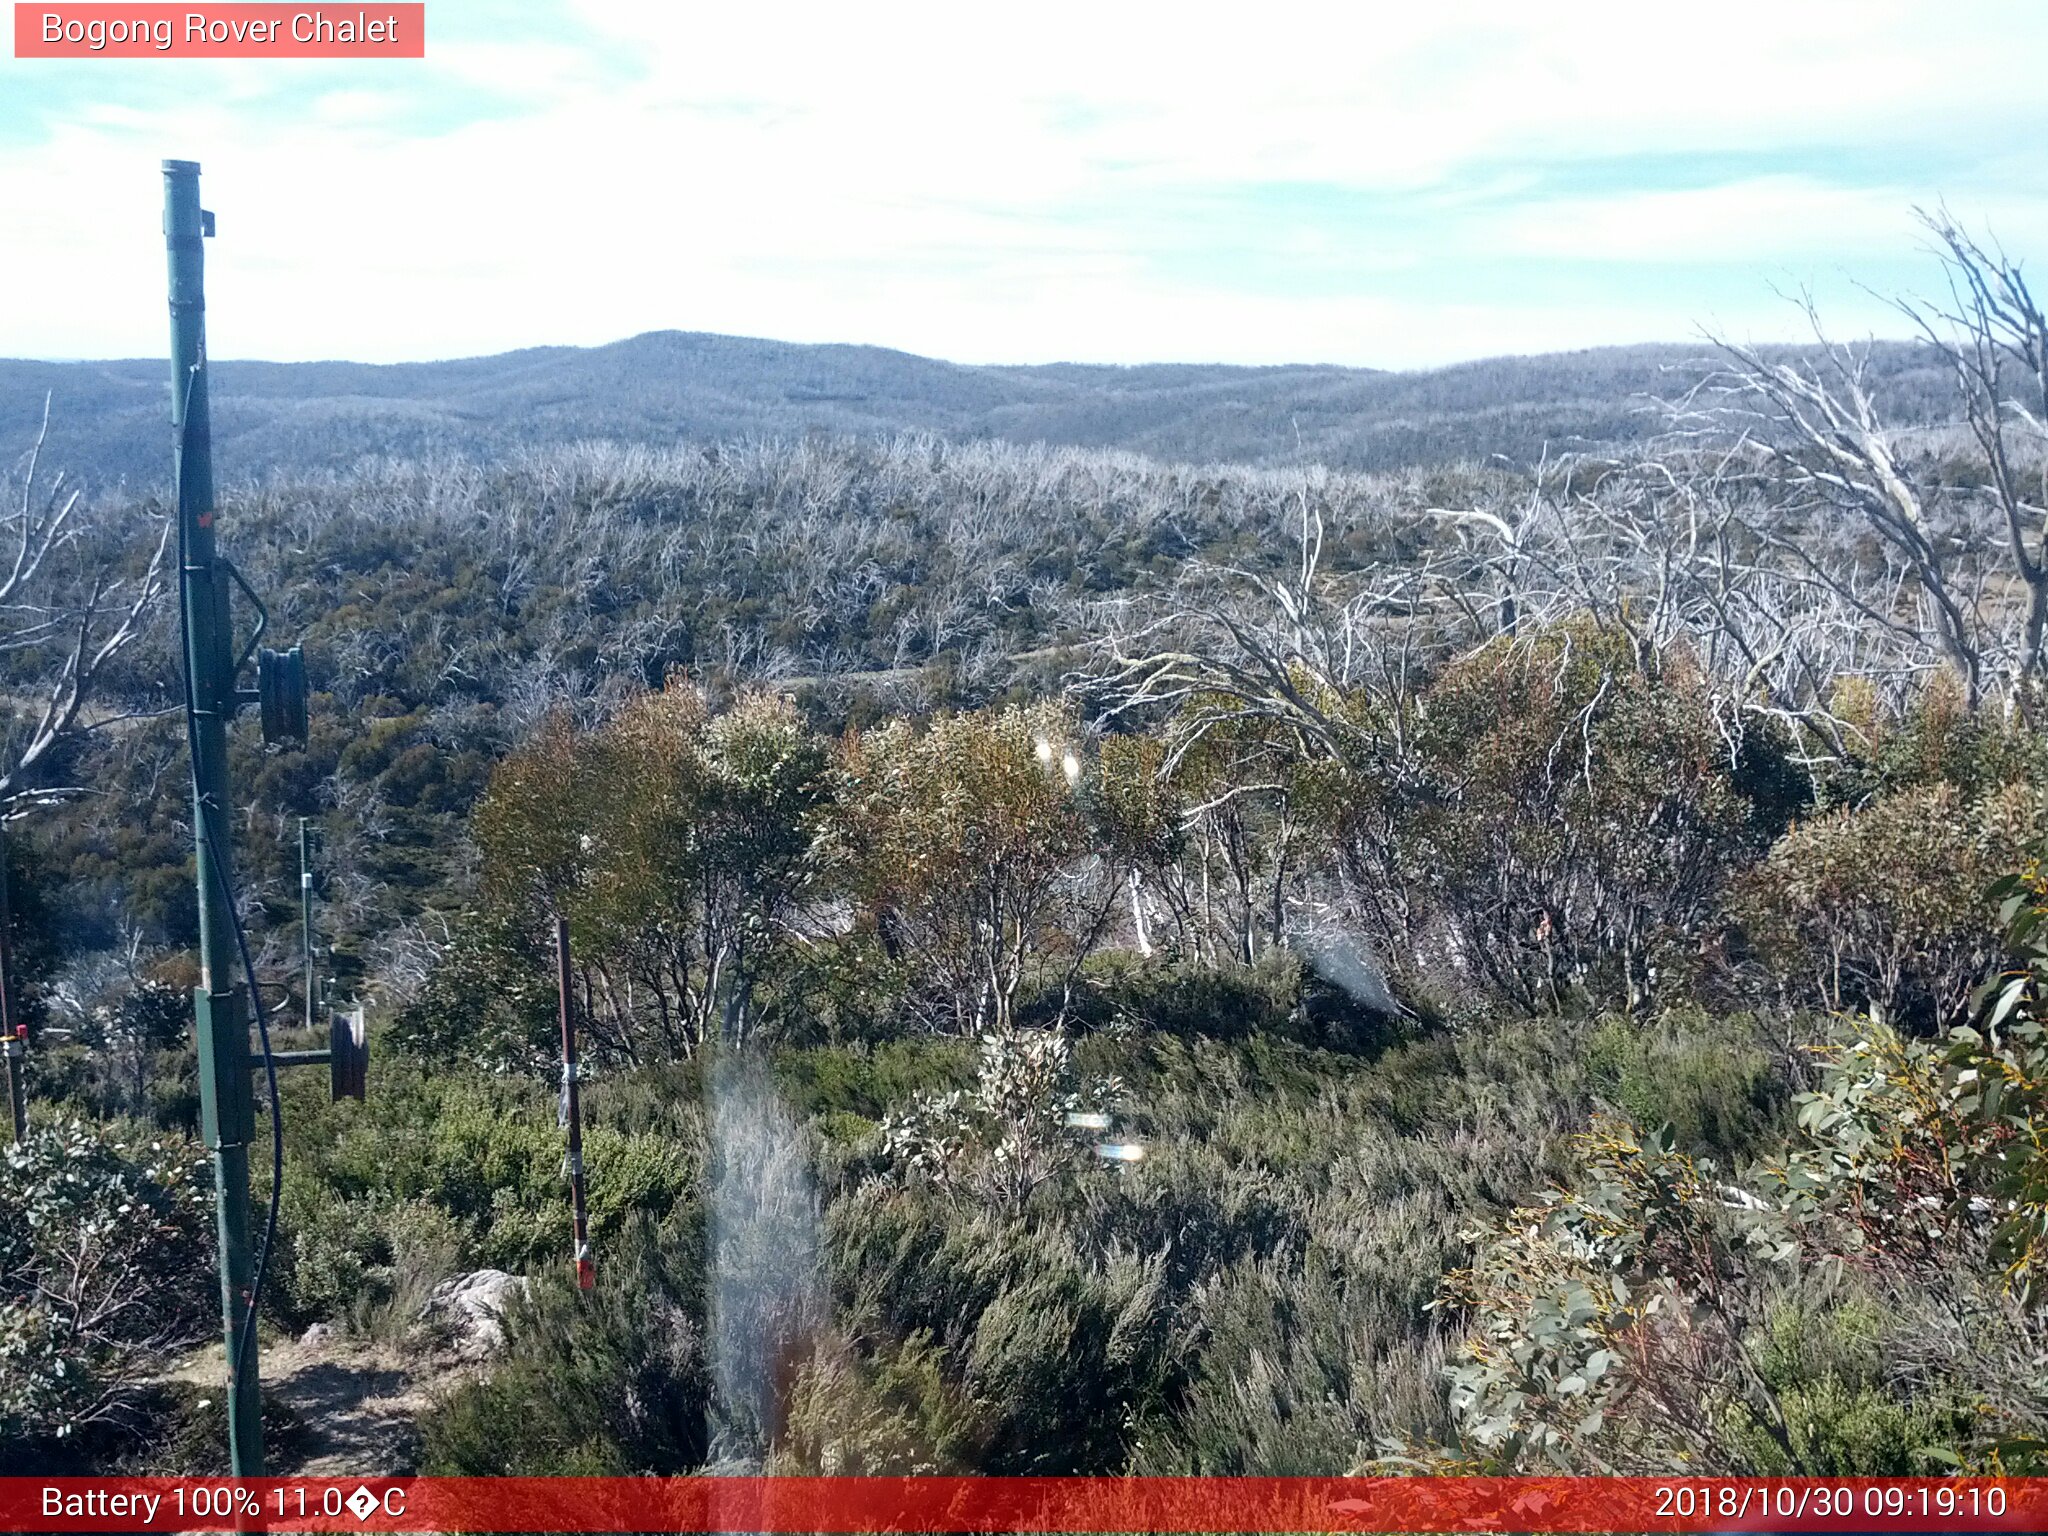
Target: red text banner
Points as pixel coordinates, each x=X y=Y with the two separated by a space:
x=991 y=1504
x=233 y=31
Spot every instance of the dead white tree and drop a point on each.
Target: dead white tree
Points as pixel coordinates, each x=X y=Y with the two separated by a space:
x=1258 y=674
x=1994 y=338
x=1679 y=546
x=1284 y=649
x=67 y=611
x=1815 y=429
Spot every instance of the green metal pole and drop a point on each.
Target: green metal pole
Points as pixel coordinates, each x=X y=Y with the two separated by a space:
x=17 y=1087
x=226 y=1100
x=306 y=914
x=14 y=1032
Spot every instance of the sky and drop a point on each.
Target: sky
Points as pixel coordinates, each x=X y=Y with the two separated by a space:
x=1117 y=182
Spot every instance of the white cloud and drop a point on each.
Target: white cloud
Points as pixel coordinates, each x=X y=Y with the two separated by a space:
x=1759 y=220
x=1012 y=184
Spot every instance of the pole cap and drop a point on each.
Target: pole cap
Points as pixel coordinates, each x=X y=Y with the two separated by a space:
x=181 y=167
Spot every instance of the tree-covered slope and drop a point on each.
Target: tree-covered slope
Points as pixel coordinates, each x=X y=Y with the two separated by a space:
x=108 y=419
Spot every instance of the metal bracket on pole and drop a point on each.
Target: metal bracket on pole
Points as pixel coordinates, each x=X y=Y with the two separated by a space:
x=348 y=1055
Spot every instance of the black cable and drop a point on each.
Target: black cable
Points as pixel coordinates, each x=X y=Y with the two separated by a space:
x=262 y=1265
x=227 y=892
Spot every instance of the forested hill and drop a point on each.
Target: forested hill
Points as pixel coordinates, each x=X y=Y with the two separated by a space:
x=109 y=419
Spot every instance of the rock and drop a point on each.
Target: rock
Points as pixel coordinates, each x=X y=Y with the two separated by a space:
x=472 y=1308
x=319 y=1336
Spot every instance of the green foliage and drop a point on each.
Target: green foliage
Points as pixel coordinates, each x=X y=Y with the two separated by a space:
x=870 y=1080
x=613 y=1381
x=1577 y=813
x=536 y=820
x=153 y=1015
x=676 y=846
x=2009 y=1092
x=1649 y=1316
x=1057 y=1350
x=1934 y=739
x=891 y=1412
x=1712 y=1081
x=378 y=1196
x=1304 y=1370
x=1250 y=1296
x=370 y=1263
x=129 y=1051
x=103 y=1271
x=1137 y=815
x=959 y=840
x=703 y=846
x=1245 y=789
x=1121 y=993
x=1883 y=906
x=1824 y=1355
x=1655 y=1311
x=1920 y=1148
x=37 y=923
x=1011 y=1132
x=1610 y=1317
x=490 y=1001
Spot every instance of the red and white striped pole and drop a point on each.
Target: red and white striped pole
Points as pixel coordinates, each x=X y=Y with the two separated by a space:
x=572 y=1109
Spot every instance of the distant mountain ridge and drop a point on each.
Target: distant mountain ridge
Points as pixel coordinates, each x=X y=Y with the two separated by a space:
x=109 y=420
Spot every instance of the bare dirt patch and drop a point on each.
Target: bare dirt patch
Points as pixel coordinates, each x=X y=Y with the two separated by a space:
x=356 y=1405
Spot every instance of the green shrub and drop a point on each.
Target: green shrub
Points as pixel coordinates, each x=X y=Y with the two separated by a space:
x=1302 y=1373
x=104 y=1272
x=844 y=1131
x=489 y=1003
x=102 y=1085
x=1884 y=906
x=327 y=1250
x=1839 y=1430
x=369 y=1264
x=1059 y=1351
x=1865 y=1302
x=959 y=842
x=1009 y=1134
x=611 y=1381
x=486 y=1151
x=870 y=1080
x=1186 y=999
x=849 y=991
x=1935 y=739
x=1711 y=1081
x=1823 y=1350
x=174 y=1428
x=891 y=1412
x=1608 y=1319
x=1574 y=813
x=1272 y=1258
